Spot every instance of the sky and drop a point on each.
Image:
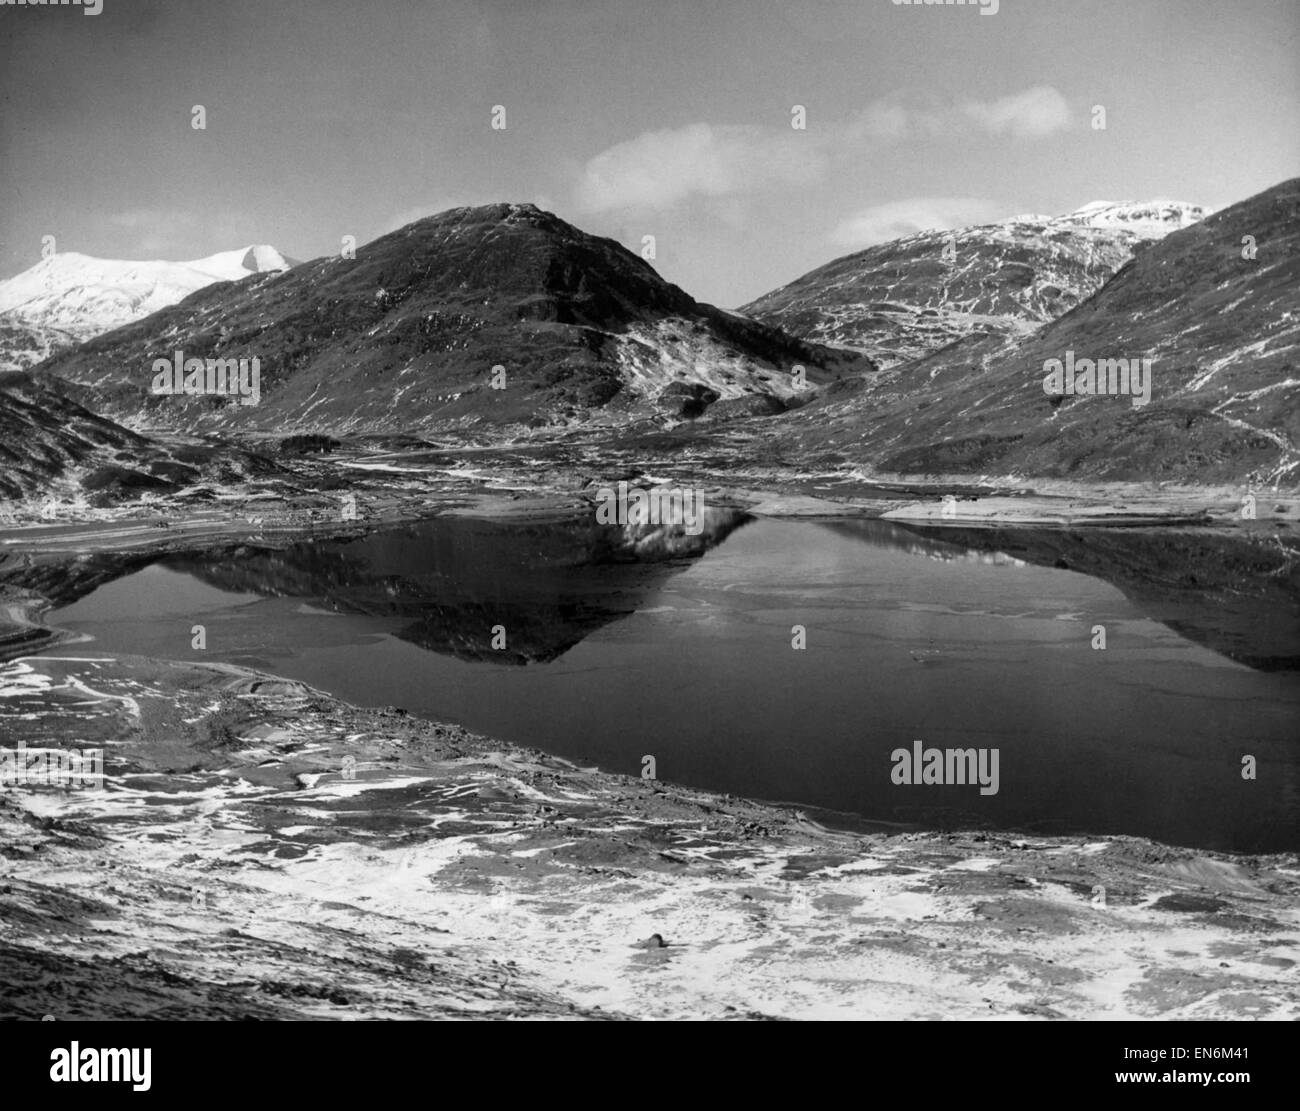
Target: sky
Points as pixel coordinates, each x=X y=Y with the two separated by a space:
x=628 y=118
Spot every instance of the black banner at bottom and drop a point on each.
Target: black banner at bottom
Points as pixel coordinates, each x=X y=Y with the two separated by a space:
x=88 y=1060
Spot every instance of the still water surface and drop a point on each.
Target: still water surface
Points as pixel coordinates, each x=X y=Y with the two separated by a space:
x=610 y=657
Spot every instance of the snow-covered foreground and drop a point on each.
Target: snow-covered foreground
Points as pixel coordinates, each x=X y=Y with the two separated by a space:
x=263 y=849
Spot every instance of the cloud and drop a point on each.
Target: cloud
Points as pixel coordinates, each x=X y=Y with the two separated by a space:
x=150 y=244
x=898 y=116
x=176 y=232
x=659 y=168
x=159 y=221
x=1032 y=114
x=899 y=218
x=882 y=120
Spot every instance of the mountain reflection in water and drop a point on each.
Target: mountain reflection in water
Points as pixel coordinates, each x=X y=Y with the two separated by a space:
x=687 y=648
x=547 y=585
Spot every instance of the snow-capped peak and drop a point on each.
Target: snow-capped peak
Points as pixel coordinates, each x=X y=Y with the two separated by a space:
x=1145 y=219
x=233 y=265
x=1148 y=219
x=84 y=296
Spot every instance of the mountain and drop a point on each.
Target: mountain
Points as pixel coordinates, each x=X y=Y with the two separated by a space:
x=1221 y=329
x=901 y=300
x=1145 y=219
x=68 y=298
x=53 y=451
x=25 y=343
x=46 y=439
x=406 y=336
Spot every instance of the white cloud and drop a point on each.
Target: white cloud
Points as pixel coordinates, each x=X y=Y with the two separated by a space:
x=160 y=221
x=659 y=168
x=882 y=120
x=899 y=218
x=177 y=233
x=151 y=244
x=1032 y=114
x=898 y=116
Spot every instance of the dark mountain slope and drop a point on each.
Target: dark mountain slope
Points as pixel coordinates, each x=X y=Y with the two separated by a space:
x=53 y=451
x=45 y=437
x=406 y=336
x=1221 y=331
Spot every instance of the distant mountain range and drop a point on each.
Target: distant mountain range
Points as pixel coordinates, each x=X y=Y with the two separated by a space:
x=901 y=300
x=503 y=318
x=407 y=334
x=69 y=298
x=1214 y=306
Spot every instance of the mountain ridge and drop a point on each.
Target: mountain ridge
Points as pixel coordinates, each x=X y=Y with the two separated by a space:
x=408 y=334
x=1221 y=329
x=901 y=300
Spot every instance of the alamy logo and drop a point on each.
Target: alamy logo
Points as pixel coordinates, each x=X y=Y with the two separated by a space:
x=111 y=1065
x=55 y=767
x=990 y=7
x=221 y=377
x=1085 y=377
x=663 y=505
x=946 y=766
x=93 y=7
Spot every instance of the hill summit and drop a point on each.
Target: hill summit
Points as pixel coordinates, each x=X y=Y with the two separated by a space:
x=497 y=314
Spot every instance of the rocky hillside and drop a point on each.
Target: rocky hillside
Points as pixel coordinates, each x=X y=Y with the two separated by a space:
x=901 y=300
x=407 y=336
x=56 y=454
x=68 y=298
x=1221 y=331
x=45 y=436
x=25 y=343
